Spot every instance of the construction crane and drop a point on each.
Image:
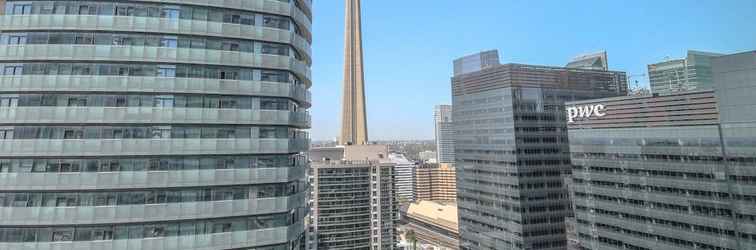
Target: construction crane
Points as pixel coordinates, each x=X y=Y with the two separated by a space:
x=635 y=88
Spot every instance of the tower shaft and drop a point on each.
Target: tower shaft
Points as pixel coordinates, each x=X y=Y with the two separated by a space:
x=354 y=117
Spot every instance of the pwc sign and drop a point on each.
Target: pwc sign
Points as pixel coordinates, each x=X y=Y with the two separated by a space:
x=585 y=112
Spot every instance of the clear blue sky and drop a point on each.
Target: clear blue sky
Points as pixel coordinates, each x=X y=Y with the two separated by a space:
x=410 y=45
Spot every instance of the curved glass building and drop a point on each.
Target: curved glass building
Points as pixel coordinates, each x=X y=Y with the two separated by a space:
x=154 y=124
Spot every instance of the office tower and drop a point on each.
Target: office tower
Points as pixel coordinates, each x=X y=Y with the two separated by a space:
x=404 y=170
x=680 y=75
x=442 y=117
x=434 y=224
x=597 y=61
x=511 y=144
x=354 y=201
x=353 y=116
x=669 y=172
x=436 y=182
x=476 y=62
x=153 y=125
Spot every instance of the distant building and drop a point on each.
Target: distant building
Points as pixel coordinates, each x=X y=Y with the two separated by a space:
x=434 y=224
x=442 y=117
x=512 y=148
x=405 y=177
x=680 y=75
x=597 y=61
x=436 y=182
x=670 y=172
x=428 y=156
x=476 y=62
x=353 y=200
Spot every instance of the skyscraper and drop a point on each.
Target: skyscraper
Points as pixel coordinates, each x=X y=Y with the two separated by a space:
x=672 y=171
x=442 y=117
x=476 y=62
x=511 y=144
x=597 y=61
x=353 y=116
x=691 y=73
x=153 y=125
x=436 y=182
x=404 y=177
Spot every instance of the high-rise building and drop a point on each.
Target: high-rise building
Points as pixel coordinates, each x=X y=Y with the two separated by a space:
x=597 y=61
x=442 y=117
x=153 y=124
x=680 y=75
x=436 y=182
x=476 y=62
x=353 y=200
x=672 y=171
x=511 y=145
x=354 y=116
x=404 y=171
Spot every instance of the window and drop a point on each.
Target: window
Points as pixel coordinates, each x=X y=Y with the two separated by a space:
x=6 y=133
x=154 y=231
x=275 y=49
x=19 y=9
x=221 y=227
x=170 y=13
x=273 y=76
x=13 y=70
x=16 y=39
x=161 y=132
x=63 y=234
x=276 y=22
x=166 y=71
x=232 y=18
x=164 y=101
x=273 y=104
x=87 y=10
x=84 y=38
x=71 y=133
x=77 y=101
x=230 y=46
x=8 y=101
x=229 y=75
x=169 y=42
x=121 y=10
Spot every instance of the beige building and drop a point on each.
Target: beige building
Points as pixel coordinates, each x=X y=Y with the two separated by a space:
x=436 y=182
x=435 y=225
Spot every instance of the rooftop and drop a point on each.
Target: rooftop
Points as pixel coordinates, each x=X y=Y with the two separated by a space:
x=441 y=214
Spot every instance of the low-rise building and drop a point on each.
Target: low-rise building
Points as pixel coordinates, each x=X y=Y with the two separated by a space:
x=434 y=225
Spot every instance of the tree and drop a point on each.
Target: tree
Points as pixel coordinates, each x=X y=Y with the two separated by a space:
x=411 y=237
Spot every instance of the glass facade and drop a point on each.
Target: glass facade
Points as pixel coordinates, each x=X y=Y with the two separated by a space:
x=169 y=138
x=670 y=171
x=512 y=151
x=689 y=74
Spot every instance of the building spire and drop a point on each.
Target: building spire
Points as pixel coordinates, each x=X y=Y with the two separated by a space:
x=354 y=117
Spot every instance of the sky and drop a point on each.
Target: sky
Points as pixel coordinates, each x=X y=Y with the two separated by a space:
x=409 y=46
